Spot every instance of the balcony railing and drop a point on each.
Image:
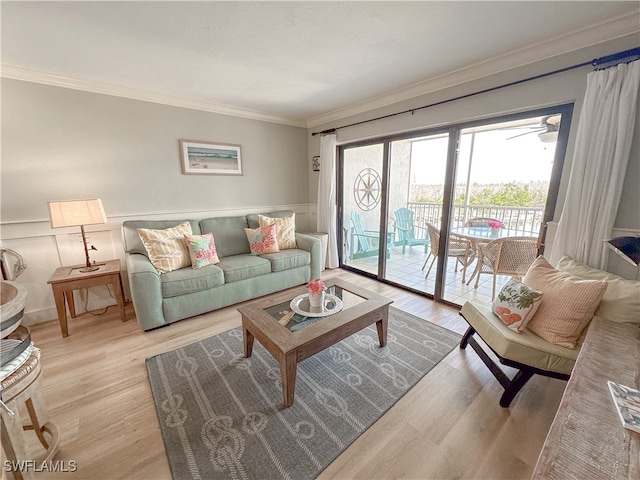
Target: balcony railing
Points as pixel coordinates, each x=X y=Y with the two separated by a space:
x=522 y=220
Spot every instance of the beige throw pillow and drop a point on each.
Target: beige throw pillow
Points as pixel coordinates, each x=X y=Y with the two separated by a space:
x=621 y=301
x=285 y=230
x=166 y=248
x=568 y=306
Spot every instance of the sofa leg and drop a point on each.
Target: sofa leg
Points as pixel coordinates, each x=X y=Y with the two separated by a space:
x=465 y=338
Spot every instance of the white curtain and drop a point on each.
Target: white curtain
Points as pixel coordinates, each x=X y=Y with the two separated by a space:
x=326 y=205
x=603 y=143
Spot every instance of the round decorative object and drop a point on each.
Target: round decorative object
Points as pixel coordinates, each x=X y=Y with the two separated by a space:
x=367 y=189
x=302 y=306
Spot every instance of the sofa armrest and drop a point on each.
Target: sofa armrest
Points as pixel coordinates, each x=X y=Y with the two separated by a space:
x=312 y=245
x=146 y=291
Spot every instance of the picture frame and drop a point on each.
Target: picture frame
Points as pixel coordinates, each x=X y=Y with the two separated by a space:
x=315 y=162
x=210 y=158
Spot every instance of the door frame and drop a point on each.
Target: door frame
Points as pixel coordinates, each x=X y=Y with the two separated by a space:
x=454 y=132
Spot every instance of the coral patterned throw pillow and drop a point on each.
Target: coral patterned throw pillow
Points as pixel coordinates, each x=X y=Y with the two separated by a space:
x=202 y=250
x=262 y=239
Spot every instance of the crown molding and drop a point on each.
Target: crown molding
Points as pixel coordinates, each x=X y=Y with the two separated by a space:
x=601 y=32
x=19 y=73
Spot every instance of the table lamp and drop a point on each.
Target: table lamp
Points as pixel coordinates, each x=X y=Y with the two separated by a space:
x=78 y=213
x=627 y=247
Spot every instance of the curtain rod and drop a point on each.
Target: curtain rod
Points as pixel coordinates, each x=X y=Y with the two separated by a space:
x=598 y=63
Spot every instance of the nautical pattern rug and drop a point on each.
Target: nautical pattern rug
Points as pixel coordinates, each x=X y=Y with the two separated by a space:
x=222 y=416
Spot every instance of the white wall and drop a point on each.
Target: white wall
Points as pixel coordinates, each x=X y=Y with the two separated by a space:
x=557 y=89
x=62 y=144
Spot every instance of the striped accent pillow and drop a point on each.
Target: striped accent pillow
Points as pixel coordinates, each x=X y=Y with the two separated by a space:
x=285 y=230
x=568 y=305
x=166 y=248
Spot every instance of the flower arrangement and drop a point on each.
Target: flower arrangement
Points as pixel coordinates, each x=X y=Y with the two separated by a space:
x=494 y=224
x=315 y=287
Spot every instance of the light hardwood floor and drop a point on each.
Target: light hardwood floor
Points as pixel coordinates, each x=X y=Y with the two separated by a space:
x=448 y=426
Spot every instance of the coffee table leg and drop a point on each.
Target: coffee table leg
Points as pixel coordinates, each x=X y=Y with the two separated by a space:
x=381 y=325
x=247 y=338
x=288 y=370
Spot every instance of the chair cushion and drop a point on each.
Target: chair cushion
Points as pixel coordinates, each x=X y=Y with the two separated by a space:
x=621 y=300
x=188 y=280
x=239 y=267
x=526 y=347
x=568 y=305
x=287 y=259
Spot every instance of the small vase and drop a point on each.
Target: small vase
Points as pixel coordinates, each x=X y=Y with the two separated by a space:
x=495 y=231
x=316 y=301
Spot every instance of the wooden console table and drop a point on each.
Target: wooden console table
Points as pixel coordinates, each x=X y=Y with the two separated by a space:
x=67 y=279
x=586 y=438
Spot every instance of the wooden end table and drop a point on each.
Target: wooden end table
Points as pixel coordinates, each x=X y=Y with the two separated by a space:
x=261 y=320
x=67 y=279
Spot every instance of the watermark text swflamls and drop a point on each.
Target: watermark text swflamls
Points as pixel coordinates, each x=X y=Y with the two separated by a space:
x=60 y=466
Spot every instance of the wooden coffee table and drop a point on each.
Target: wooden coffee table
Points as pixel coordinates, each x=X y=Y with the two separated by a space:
x=361 y=308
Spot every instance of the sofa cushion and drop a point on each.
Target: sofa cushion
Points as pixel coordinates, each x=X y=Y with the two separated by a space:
x=166 y=248
x=621 y=300
x=526 y=347
x=287 y=259
x=240 y=267
x=285 y=230
x=568 y=305
x=229 y=234
x=188 y=280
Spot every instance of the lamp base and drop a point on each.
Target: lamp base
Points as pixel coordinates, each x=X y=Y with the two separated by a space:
x=89 y=269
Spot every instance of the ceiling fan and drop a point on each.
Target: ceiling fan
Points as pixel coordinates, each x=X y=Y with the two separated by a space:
x=547 y=130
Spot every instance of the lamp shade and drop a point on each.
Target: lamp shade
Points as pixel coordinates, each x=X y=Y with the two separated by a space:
x=74 y=213
x=627 y=247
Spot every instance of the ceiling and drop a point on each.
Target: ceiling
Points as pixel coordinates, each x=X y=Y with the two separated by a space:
x=298 y=63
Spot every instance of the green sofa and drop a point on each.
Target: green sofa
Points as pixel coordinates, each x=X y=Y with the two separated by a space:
x=160 y=299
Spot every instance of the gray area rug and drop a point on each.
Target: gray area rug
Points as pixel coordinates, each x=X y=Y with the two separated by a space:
x=222 y=415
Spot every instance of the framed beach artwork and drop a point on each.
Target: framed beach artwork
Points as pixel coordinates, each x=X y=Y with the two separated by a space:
x=208 y=158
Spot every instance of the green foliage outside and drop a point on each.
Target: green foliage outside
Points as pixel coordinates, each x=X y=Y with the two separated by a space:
x=508 y=195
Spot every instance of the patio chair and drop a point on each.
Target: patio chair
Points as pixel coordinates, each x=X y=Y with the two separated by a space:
x=506 y=256
x=361 y=244
x=405 y=230
x=459 y=247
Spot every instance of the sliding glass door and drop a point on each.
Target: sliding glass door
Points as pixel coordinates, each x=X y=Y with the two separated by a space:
x=362 y=240
x=406 y=201
x=416 y=194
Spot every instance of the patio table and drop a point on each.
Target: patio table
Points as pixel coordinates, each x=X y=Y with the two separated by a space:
x=484 y=235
